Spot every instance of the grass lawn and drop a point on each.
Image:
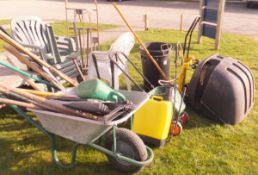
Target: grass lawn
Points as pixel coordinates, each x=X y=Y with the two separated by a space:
x=3 y=22
x=203 y=148
x=59 y=28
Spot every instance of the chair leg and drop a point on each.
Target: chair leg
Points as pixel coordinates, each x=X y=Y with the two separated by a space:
x=128 y=83
x=116 y=82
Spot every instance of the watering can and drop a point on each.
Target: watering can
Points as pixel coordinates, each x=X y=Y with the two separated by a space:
x=97 y=89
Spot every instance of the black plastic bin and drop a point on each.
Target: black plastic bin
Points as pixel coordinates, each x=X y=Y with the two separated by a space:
x=222 y=89
x=161 y=53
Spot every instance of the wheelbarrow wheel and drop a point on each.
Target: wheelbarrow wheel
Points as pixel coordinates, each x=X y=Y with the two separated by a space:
x=129 y=145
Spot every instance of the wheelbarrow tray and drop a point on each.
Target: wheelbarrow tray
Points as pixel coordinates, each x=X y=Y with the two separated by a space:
x=82 y=130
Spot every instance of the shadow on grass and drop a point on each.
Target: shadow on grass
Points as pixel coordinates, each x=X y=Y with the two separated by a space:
x=197 y=120
x=13 y=126
x=32 y=162
x=28 y=150
x=7 y=112
x=24 y=149
x=45 y=167
x=11 y=156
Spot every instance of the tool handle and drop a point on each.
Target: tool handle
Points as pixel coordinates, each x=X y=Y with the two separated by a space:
x=18 y=103
x=141 y=43
x=18 y=46
x=190 y=31
x=36 y=69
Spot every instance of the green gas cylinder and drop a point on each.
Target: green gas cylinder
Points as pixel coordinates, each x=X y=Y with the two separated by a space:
x=97 y=89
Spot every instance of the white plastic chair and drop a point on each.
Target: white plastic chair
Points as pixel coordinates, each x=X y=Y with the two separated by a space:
x=124 y=43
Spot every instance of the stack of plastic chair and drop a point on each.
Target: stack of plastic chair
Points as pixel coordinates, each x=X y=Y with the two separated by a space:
x=39 y=38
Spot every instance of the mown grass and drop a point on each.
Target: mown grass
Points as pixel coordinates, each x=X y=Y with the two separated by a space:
x=203 y=148
x=60 y=28
x=3 y=22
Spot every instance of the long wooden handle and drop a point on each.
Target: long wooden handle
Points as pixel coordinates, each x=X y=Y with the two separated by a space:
x=140 y=42
x=78 y=68
x=51 y=95
x=18 y=103
x=47 y=104
x=36 y=69
x=18 y=46
x=41 y=93
x=28 y=80
x=34 y=103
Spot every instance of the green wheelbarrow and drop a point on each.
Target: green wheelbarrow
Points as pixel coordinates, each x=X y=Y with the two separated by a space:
x=124 y=149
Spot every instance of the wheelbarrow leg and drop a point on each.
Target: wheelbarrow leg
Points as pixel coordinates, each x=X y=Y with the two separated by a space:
x=55 y=156
x=51 y=138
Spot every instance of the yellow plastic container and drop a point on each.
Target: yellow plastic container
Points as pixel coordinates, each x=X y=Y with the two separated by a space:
x=152 y=121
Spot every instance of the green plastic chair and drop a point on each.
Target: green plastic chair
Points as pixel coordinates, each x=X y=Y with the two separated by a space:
x=39 y=38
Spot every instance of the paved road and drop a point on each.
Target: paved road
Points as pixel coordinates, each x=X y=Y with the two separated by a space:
x=237 y=19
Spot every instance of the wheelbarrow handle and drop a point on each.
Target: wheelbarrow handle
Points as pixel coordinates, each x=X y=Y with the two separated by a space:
x=190 y=31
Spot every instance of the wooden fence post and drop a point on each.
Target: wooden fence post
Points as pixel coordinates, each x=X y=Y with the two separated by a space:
x=146 y=22
x=181 y=22
x=219 y=24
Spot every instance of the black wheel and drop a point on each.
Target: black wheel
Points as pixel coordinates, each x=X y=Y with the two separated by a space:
x=129 y=145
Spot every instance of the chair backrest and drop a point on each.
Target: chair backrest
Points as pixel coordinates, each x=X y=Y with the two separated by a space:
x=124 y=43
x=30 y=31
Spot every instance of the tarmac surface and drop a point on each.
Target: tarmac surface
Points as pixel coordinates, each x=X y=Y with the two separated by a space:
x=162 y=14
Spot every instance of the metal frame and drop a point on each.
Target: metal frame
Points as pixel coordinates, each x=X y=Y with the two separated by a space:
x=91 y=42
x=187 y=61
x=114 y=63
